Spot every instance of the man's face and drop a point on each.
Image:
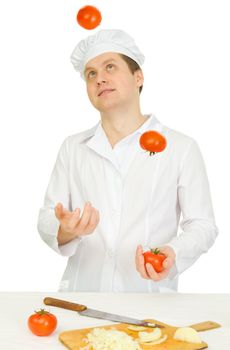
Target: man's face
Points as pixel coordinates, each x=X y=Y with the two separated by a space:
x=110 y=83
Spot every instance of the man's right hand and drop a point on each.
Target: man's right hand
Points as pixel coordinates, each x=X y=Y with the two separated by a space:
x=72 y=225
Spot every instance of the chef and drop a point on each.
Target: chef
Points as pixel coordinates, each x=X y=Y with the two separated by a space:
x=108 y=199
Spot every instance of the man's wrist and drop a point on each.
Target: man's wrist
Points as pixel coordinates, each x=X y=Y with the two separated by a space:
x=64 y=237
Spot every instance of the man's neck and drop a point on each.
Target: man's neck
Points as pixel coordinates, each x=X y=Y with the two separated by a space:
x=119 y=125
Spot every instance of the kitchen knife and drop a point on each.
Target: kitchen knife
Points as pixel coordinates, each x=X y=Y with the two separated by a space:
x=84 y=311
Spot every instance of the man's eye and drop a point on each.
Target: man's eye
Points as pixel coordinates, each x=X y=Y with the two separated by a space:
x=91 y=74
x=110 y=66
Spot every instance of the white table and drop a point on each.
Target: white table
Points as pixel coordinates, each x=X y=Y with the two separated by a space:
x=173 y=308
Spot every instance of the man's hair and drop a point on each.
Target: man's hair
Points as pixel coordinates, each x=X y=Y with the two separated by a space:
x=133 y=66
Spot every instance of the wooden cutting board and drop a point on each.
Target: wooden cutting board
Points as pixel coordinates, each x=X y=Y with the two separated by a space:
x=73 y=340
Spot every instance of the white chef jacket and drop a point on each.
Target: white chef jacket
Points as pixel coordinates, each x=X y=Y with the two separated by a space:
x=140 y=199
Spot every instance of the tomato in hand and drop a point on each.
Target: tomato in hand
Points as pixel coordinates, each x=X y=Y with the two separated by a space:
x=155 y=258
x=42 y=323
x=152 y=141
x=89 y=17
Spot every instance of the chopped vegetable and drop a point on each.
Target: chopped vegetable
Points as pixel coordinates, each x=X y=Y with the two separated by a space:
x=159 y=341
x=112 y=339
x=149 y=336
x=187 y=334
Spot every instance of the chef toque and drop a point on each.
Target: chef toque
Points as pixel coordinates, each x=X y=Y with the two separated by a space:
x=106 y=40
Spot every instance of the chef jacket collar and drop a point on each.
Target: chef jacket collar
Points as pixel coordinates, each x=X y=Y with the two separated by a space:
x=99 y=142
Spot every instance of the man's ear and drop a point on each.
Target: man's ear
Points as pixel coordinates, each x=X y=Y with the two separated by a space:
x=139 y=77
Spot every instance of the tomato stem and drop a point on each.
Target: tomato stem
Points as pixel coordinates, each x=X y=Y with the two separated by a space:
x=151 y=153
x=155 y=251
x=41 y=312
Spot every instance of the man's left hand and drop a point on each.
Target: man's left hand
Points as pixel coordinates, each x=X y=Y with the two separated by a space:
x=147 y=271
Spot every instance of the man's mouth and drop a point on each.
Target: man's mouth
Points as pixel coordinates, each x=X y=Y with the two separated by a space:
x=105 y=92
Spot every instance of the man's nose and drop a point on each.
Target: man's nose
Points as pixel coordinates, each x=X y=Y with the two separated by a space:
x=100 y=82
x=101 y=78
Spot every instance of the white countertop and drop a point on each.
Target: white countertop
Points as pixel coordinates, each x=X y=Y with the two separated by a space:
x=173 y=308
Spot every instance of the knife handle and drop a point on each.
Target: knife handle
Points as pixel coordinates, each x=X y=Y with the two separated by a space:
x=64 y=304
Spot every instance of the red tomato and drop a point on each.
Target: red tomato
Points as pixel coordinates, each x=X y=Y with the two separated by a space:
x=42 y=323
x=89 y=17
x=155 y=258
x=152 y=141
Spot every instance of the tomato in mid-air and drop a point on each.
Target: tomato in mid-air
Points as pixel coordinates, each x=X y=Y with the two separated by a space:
x=89 y=17
x=155 y=258
x=42 y=323
x=152 y=141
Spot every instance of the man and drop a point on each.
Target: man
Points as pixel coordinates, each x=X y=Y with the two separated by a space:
x=107 y=198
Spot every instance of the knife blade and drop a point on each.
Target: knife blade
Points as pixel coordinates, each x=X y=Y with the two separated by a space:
x=84 y=311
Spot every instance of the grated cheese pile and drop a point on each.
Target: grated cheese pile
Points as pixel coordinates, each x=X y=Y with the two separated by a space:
x=112 y=339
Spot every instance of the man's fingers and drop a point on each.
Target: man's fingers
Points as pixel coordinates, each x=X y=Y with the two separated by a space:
x=152 y=273
x=147 y=271
x=137 y=256
x=59 y=211
x=140 y=263
x=94 y=219
x=98 y=216
x=85 y=218
x=156 y=276
x=168 y=263
x=73 y=222
x=74 y=219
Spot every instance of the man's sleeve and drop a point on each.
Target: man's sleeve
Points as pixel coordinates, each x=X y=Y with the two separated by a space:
x=58 y=191
x=198 y=225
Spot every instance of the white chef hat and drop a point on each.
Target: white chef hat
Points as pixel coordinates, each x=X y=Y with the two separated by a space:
x=106 y=40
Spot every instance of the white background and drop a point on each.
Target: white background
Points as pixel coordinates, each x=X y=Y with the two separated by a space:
x=43 y=100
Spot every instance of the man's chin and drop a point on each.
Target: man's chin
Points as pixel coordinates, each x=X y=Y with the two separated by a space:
x=106 y=107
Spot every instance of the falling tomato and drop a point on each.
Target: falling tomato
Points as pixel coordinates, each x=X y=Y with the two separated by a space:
x=89 y=17
x=153 y=142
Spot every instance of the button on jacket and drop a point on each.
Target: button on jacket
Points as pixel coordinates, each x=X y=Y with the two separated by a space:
x=140 y=199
